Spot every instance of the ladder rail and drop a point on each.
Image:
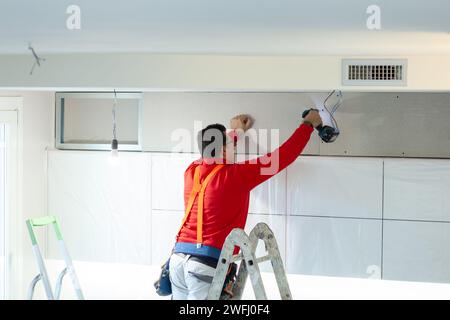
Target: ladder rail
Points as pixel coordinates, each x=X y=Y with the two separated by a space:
x=263 y=232
x=59 y=283
x=249 y=263
x=43 y=275
x=41 y=265
x=70 y=269
x=32 y=286
x=239 y=238
x=242 y=274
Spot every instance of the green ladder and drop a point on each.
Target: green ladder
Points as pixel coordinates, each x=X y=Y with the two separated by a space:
x=41 y=222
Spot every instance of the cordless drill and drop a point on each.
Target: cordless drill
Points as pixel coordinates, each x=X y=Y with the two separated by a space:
x=328 y=130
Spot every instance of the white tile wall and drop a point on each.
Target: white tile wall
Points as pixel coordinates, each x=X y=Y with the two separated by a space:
x=329 y=186
x=168 y=180
x=103 y=211
x=333 y=246
x=277 y=224
x=416 y=251
x=417 y=189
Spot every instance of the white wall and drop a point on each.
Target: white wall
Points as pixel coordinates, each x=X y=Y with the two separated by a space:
x=36 y=126
x=208 y=72
x=103 y=210
x=2 y=207
x=205 y=73
x=331 y=216
x=330 y=231
x=131 y=213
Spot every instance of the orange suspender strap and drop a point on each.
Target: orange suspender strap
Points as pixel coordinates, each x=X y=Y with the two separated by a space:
x=199 y=189
x=195 y=190
x=200 y=204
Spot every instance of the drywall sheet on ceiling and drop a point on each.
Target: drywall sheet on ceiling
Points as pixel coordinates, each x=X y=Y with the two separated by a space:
x=371 y=124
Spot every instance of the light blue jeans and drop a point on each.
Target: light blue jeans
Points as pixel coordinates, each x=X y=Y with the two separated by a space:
x=190 y=280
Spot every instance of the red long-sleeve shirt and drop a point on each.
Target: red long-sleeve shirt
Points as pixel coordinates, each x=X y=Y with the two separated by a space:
x=226 y=199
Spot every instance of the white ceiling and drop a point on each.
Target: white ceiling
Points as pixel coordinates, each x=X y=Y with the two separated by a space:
x=287 y=27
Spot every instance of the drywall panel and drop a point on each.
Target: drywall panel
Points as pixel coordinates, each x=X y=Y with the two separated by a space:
x=371 y=124
x=103 y=210
x=334 y=247
x=409 y=124
x=416 y=189
x=168 y=180
x=172 y=119
x=340 y=187
x=416 y=251
x=270 y=196
x=165 y=226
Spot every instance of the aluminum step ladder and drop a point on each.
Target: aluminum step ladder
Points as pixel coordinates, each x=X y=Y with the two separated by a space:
x=41 y=222
x=249 y=264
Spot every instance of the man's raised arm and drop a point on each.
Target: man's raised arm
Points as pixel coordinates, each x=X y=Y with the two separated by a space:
x=256 y=171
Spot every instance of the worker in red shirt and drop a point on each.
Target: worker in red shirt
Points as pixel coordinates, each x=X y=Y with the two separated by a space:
x=217 y=193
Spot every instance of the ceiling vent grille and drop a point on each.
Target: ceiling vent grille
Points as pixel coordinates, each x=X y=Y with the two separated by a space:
x=374 y=72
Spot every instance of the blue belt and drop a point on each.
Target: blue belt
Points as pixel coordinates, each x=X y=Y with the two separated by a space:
x=191 y=248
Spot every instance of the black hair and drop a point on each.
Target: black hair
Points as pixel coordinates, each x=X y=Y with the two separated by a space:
x=211 y=140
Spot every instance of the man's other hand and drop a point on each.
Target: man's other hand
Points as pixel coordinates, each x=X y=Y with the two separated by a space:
x=242 y=121
x=313 y=117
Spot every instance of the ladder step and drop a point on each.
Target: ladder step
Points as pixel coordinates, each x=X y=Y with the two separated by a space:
x=239 y=257
x=262 y=259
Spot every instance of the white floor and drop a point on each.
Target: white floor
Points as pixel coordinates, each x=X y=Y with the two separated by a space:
x=125 y=281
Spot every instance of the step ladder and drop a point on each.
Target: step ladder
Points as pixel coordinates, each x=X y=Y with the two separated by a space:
x=249 y=264
x=41 y=222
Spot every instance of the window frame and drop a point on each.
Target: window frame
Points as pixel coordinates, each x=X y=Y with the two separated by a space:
x=59 y=120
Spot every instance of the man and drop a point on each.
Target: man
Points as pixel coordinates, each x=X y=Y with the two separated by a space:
x=224 y=203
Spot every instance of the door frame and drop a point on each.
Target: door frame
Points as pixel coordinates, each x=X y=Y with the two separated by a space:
x=11 y=113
